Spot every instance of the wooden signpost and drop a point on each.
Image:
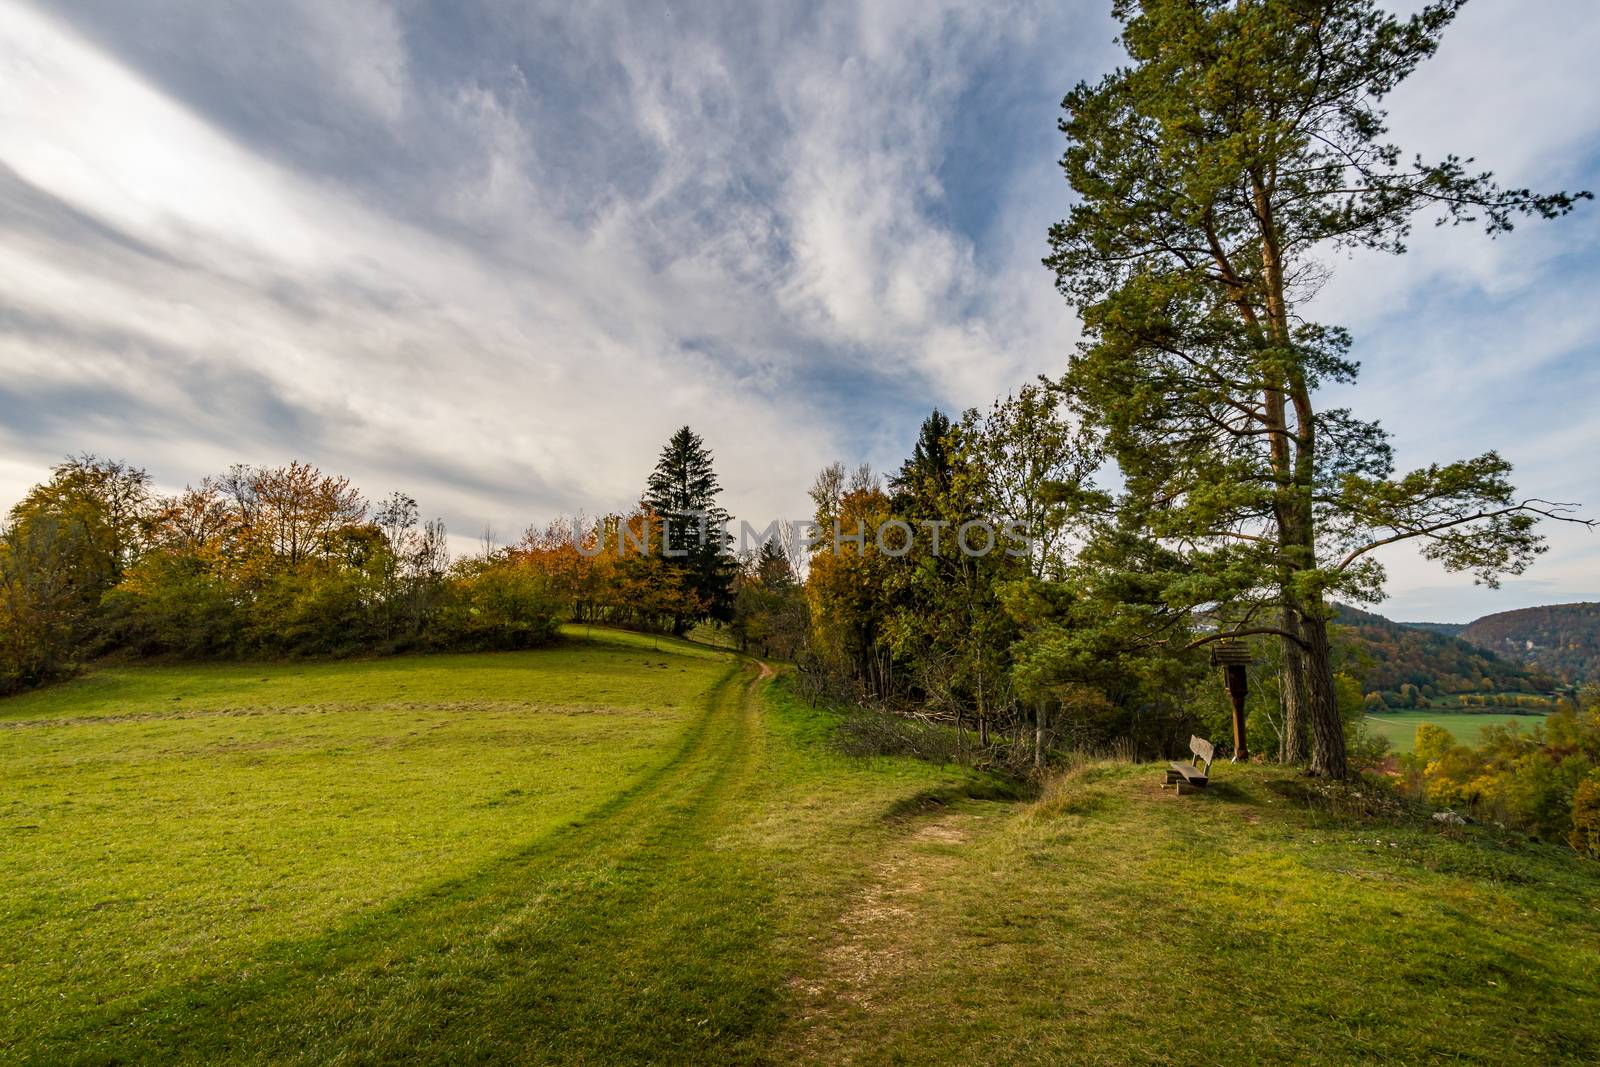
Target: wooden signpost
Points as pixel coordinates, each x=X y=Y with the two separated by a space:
x=1234 y=657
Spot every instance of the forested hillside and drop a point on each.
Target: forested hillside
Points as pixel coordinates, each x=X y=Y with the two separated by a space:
x=1559 y=639
x=1396 y=658
x=1448 y=629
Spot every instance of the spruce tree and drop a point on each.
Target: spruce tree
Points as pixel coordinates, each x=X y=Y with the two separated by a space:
x=925 y=476
x=682 y=491
x=772 y=567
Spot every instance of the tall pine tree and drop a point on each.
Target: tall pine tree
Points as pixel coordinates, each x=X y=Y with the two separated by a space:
x=682 y=491
x=927 y=474
x=1240 y=146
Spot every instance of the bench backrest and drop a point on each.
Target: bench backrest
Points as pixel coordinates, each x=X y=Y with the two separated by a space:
x=1203 y=750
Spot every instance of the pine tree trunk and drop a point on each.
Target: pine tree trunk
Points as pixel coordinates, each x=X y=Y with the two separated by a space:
x=1310 y=704
x=1295 y=744
x=1322 y=705
x=1038 y=735
x=983 y=708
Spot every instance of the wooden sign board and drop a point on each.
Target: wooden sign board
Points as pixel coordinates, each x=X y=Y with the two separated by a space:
x=1224 y=653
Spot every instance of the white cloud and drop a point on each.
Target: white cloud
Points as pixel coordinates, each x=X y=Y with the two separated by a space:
x=499 y=273
x=545 y=386
x=360 y=47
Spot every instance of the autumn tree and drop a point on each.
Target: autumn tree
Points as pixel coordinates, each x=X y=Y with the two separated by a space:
x=573 y=556
x=63 y=547
x=847 y=583
x=101 y=505
x=291 y=512
x=409 y=564
x=646 y=587
x=1243 y=142
x=769 y=613
x=182 y=595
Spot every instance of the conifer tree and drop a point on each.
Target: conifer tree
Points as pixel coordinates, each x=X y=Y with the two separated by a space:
x=1242 y=143
x=926 y=475
x=682 y=492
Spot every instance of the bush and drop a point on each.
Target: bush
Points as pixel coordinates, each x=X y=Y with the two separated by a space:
x=877 y=732
x=169 y=604
x=1367 y=747
x=498 y=606
x=1585 y=835
x=1541 y=781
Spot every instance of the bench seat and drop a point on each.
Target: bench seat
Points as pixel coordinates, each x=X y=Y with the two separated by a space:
x=1189 y=778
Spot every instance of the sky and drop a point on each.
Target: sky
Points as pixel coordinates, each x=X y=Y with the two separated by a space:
x=493 y=252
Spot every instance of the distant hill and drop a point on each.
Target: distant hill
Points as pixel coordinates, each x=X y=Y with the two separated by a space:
x=1560 y=639
x=1387 y=656
x=1447 y=629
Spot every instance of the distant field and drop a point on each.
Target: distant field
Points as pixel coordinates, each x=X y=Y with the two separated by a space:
x=1401 y=727
x=635 y=850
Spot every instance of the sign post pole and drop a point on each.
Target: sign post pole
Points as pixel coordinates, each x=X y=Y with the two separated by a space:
x=1234 y=659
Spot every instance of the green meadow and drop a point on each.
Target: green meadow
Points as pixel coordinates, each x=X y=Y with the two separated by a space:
x=1401 y=727
x=627 y=849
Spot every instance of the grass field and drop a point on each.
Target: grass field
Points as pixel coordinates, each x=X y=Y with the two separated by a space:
x=1401 y=727
x=630 y=850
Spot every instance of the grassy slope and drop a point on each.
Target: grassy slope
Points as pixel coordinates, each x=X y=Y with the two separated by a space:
x=439 y=858
x=1400 y=727
x=164 y=825
x=694 y=874
x=1113 y=922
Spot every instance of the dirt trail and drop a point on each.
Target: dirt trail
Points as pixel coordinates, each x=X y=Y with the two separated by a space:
x=873 y=941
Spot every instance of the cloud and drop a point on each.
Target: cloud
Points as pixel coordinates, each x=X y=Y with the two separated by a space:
x=496 y=320
x=494 y=252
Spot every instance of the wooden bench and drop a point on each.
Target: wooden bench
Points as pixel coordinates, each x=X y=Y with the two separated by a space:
x=1191 y=777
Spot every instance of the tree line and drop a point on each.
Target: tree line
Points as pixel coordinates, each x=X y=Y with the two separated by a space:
x=1216 y=173
x=259 y=561
x=1184 y=482
x=1562 y=639
x=1417 y=665
x=291 y=561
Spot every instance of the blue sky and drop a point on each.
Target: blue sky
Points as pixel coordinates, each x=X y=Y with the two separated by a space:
x=492 y=252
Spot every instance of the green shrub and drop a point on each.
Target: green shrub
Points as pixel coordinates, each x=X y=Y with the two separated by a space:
x=498 y=606
x=1585 y=834
x=1543 y=781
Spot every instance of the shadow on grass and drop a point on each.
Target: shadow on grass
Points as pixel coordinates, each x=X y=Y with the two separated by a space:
x=929 y=801
x=1229 y=792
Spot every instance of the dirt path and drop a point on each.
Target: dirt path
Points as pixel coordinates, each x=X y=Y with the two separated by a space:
x=876 y=938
